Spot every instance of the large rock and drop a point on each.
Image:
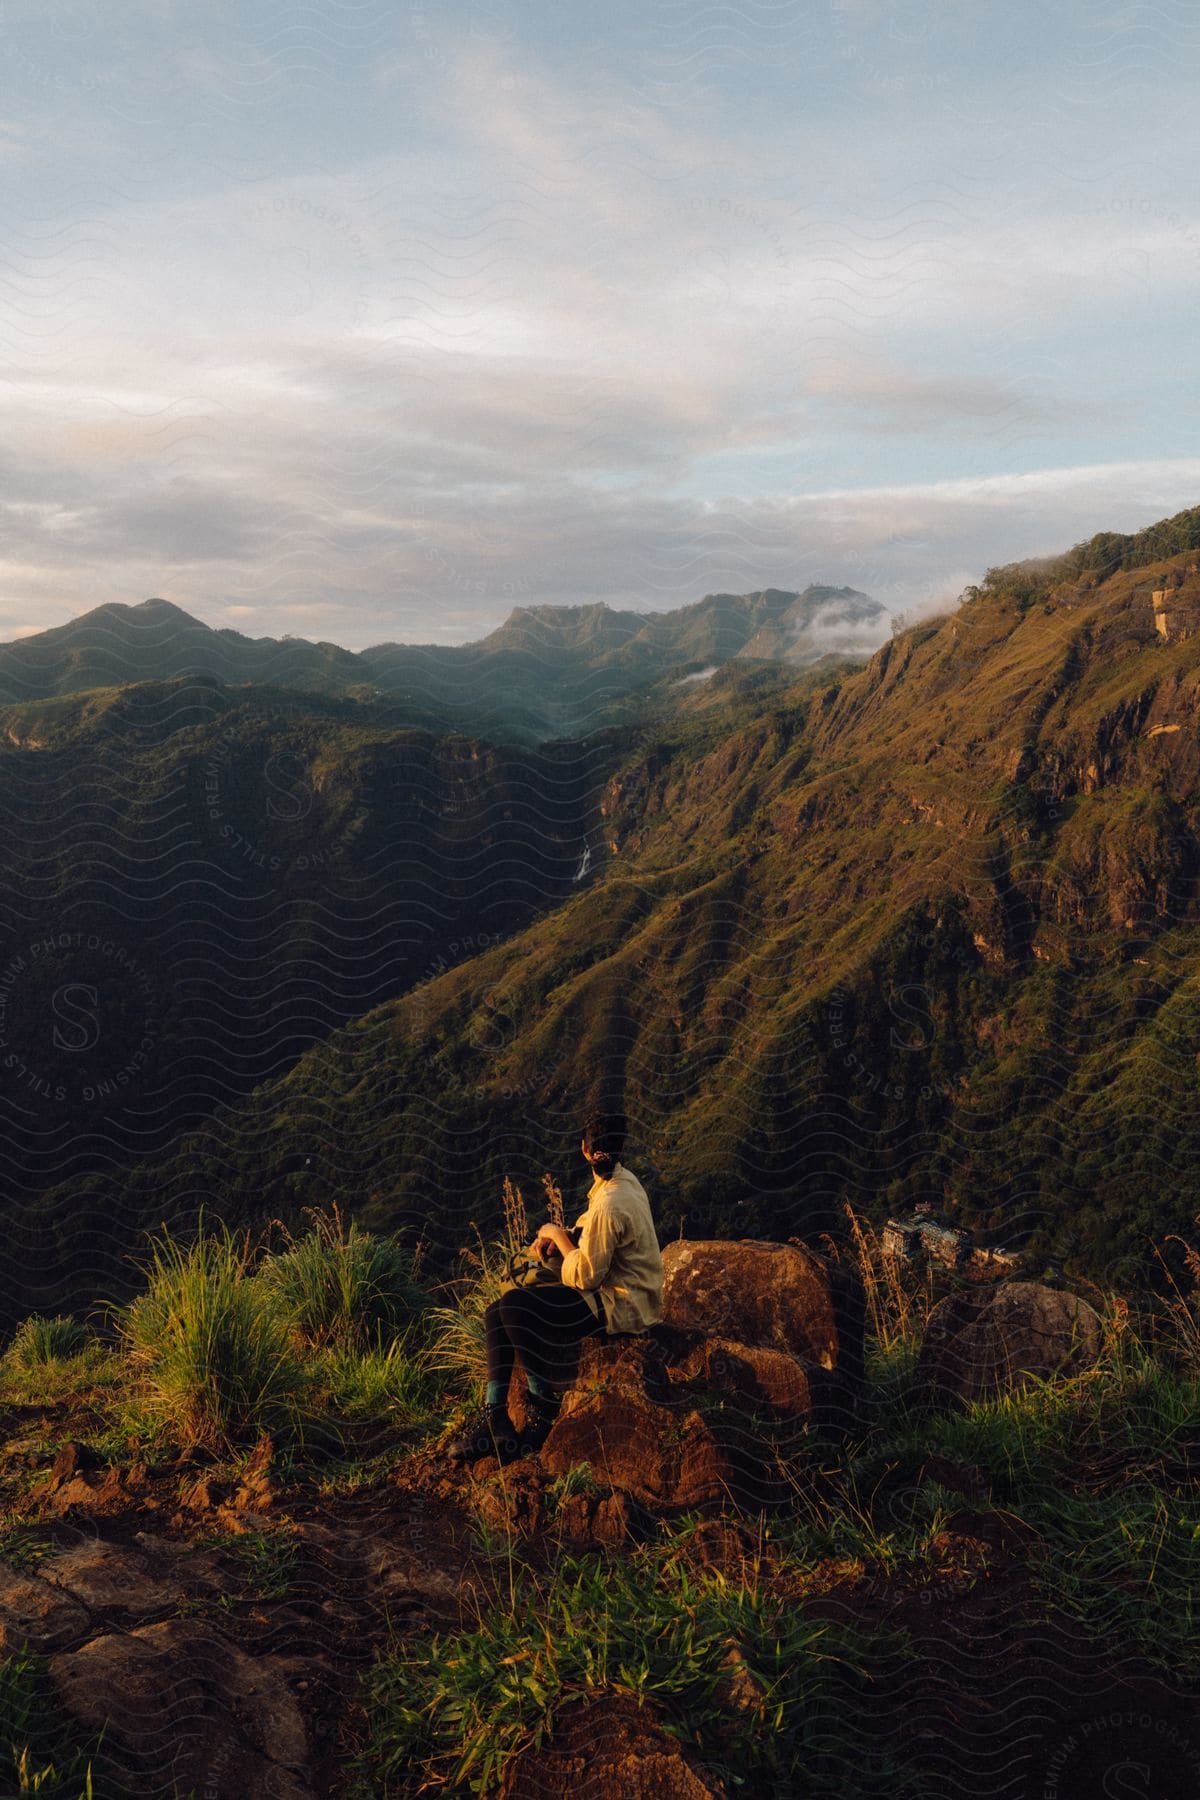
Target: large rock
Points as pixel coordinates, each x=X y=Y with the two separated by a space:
x=779 y=1296
x=183 y=1711
x=614 y=1420
x=644 y=1437
x=773 y=1383
x=989 y=1341
x=608 y=1746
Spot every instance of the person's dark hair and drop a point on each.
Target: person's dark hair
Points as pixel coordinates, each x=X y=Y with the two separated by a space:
x=604 y=1134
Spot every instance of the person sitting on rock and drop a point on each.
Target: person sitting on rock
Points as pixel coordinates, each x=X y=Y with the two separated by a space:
x=611 y=1283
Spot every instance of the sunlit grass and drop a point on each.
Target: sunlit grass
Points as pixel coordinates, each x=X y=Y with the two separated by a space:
x=340 y=1285
x=212 y=1358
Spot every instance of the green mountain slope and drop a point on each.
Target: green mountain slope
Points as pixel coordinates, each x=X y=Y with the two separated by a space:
x=197 y=883
x=926 y=931
x=157 y=641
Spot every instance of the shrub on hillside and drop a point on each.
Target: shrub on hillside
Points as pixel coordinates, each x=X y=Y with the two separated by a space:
x=213 y=1354
x=342 y=1286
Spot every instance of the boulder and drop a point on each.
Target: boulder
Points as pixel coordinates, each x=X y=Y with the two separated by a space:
x=643 y=1437
x=184 y=1711
x=609 y=1421
x=983 y=1342
x=762 y=1380
x=777 y=1296
x=608 y=1746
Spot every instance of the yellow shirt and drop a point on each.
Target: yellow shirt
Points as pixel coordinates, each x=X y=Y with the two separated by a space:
x=618 y=1256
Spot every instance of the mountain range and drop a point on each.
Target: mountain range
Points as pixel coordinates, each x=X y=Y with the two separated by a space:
x=548 y=671
x=923 y=929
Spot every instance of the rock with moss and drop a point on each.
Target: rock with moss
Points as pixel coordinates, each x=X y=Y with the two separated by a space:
x=985 y=1342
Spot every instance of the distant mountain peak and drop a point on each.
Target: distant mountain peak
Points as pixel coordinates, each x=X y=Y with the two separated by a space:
x=139 y=613
x=166 y=608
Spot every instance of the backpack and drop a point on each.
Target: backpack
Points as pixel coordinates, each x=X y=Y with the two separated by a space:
x=525 y=1270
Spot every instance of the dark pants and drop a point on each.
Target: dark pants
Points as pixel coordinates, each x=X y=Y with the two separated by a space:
x=539 y=1326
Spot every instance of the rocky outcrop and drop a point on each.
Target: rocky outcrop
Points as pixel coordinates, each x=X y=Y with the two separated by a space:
x=186 y=1711
x=641 y=1434
x=177 y=1672
x=755 y=1337
x=981 y=1343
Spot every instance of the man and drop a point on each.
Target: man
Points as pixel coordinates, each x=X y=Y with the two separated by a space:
x=611 y=1282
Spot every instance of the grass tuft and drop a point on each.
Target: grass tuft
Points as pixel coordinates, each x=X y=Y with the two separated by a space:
x=212 y=1356
x=340 y=1285
x=38 y=1341
x=456 y=1712
x=36 y=1754
x=458 y=1340
x=386 y=1383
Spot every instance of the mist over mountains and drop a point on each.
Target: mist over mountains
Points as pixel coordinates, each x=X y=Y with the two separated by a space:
x=547 y=671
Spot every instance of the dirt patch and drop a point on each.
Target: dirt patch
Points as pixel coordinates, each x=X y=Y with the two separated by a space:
x=604 y=1748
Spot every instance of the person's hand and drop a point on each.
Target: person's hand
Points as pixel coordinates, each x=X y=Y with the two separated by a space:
x=552 y=1237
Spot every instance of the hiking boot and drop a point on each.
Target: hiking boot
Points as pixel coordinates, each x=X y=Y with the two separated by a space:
x=490 y=1433
x=540 y=1417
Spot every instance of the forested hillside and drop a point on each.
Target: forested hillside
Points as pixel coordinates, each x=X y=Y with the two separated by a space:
x=929 y=930
x=197 y=883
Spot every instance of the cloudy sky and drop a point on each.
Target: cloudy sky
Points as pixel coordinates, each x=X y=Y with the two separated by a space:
x=370 y=320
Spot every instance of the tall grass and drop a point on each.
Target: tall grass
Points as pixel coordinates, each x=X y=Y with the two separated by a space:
x=457 y=1333
x=384 y=1383
x=340 y=1285
x=899 y=1294
x=212 y=1355
x=554 y=1199
x=38 y=1341
x=1182 y=1307
x=516 y=1219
